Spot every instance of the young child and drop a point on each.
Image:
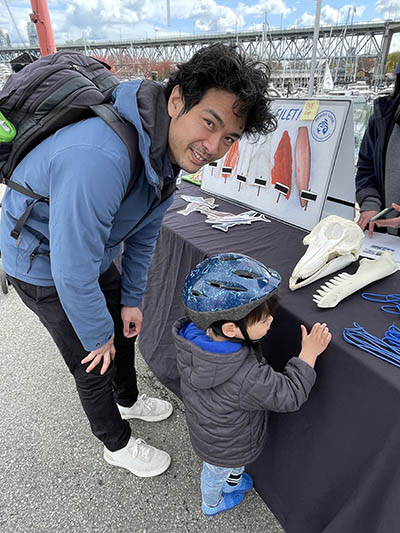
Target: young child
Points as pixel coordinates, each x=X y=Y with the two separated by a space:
x=227 y=386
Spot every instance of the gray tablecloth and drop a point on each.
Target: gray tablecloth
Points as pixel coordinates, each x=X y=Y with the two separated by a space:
x=333 y=466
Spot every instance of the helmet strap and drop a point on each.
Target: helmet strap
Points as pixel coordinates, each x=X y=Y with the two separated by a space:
x=255 y=345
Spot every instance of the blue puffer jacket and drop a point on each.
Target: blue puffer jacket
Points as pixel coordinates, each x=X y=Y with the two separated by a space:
x=370 y=177
x=227 y=396
x=85 y=169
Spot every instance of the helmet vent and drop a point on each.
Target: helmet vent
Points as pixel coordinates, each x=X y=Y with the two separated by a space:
x=227 y=287
x=246 y=274
x=196 y=293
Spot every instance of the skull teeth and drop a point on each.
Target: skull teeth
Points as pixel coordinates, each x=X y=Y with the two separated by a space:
x=369 y=270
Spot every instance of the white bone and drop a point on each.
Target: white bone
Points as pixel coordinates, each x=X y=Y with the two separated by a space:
x=333 y=244
x=369 y=270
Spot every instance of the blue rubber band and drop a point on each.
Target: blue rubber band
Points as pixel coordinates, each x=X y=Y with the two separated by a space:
x=392 y=299
x=387 y=349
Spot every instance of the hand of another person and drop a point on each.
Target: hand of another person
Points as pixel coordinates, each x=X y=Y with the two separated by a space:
x=105 y=352
x=132 y=319
x=314 y=343
x=390 y=222
x=364 y=219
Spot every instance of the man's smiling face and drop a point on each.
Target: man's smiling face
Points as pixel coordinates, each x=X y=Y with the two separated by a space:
x=205 y=132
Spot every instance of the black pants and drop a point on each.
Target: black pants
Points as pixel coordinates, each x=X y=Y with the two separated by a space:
x=97 y=393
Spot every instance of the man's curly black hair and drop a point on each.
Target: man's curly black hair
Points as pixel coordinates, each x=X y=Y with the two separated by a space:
x=222 y=66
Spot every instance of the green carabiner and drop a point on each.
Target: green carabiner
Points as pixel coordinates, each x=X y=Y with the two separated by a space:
x=7 y=130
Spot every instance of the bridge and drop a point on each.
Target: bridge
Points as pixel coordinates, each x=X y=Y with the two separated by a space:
x=286 y=49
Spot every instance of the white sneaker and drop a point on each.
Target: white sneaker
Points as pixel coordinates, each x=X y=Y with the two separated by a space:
x=147 y=409
x=139 y=458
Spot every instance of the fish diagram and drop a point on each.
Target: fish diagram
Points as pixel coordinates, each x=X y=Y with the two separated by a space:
x=250 y=164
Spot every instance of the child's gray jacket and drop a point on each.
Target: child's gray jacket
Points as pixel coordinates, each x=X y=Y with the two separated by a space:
x=227 y=398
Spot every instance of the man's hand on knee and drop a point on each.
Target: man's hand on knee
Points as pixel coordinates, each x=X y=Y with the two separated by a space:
x=105 y=353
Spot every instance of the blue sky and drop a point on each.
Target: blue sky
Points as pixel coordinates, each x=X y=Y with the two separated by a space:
x=125 y=19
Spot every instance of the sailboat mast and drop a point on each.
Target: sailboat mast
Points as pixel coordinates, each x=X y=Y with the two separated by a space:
x=41 y=18
x=168 y=13
x=314 y=50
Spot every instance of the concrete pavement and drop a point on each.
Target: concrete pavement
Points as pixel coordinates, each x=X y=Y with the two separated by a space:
x=52 y=474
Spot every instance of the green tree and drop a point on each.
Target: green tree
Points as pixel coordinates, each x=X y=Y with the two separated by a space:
x=392 y=61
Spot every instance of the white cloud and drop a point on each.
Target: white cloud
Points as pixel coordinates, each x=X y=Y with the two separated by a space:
x=395 y=44
x=331 y=15
x=129 y=19
x=20 y=16
x=256 y=27
x=210 y=16
x=98 y=19
x=305 y=20
x=99 y=16
x=272 y=7
x=388 y=8
x=359 y=11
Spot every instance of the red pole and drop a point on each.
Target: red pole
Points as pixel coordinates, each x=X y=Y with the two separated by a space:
x=41 y=18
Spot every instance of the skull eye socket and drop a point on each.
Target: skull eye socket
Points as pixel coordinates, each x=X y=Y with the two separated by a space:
x=332 y=256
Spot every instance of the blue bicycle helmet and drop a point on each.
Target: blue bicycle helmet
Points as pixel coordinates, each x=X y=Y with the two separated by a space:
x=227 y=287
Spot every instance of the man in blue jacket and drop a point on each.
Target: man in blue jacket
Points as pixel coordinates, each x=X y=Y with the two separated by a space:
x=62 y=265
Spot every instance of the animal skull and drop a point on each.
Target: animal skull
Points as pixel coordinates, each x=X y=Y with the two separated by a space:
x=338 y=288
x=333 y=244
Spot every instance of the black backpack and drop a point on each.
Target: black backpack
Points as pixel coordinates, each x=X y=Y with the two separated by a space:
x=52 y=92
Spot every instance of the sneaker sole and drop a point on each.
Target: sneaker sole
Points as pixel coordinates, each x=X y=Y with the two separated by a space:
x=152 y=473
x=146 y=418
x=215 y=514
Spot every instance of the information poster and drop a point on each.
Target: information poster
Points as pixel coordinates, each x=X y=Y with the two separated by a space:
x=287 y=174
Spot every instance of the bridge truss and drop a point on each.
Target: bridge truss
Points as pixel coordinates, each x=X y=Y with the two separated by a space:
x=286 y=49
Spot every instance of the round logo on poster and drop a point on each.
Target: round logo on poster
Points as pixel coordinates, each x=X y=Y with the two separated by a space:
x=323 y=126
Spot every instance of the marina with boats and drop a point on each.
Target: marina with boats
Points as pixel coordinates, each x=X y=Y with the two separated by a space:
x=345 y=61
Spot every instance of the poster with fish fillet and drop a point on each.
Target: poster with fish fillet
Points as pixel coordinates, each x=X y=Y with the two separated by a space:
x=298 y=174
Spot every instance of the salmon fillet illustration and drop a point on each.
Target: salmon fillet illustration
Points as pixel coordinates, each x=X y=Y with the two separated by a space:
x=282 y=169
x=303 y=162
x=231 y=160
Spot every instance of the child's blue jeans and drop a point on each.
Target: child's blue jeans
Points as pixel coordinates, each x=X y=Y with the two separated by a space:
x=212 y=482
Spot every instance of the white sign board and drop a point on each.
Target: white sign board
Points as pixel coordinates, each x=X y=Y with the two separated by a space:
x=298 y=174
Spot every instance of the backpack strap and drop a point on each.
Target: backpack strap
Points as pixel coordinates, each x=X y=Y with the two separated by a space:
x=15 y=233
x=24 y=190
x=127 y=133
